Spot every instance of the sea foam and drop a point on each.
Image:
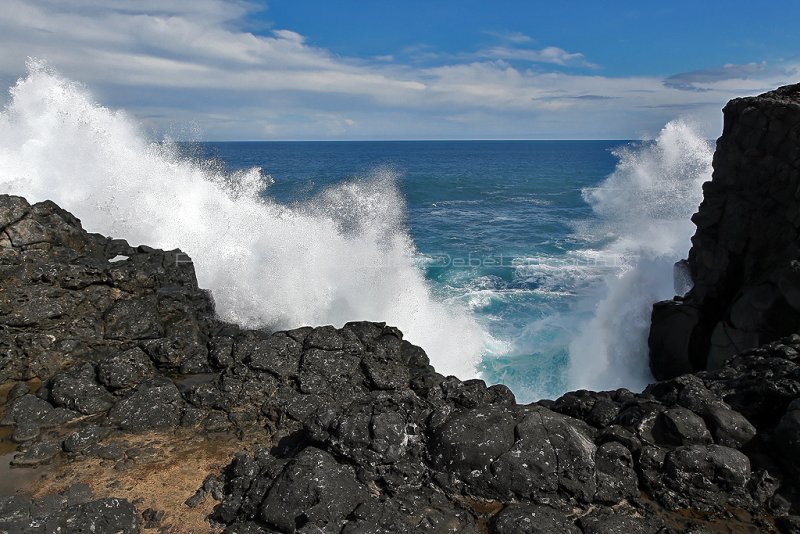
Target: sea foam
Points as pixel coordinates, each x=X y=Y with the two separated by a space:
x=644 y=208
x=343 y=255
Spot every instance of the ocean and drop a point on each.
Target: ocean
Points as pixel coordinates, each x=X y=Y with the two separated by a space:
x=501 y=230
x=528 y=263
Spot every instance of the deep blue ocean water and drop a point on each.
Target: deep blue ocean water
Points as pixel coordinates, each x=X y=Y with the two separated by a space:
x=501 y=227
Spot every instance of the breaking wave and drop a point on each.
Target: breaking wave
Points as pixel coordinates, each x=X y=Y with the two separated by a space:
x=343 y=255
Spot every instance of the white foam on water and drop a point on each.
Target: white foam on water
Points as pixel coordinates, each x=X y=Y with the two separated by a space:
x=343 y=255
x=644 y=208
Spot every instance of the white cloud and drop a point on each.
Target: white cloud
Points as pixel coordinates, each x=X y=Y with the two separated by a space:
x=550 y=54
x=706 y=79
x=173 y=63
x=511 y=37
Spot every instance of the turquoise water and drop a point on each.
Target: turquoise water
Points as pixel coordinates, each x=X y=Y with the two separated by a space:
x=501 y=228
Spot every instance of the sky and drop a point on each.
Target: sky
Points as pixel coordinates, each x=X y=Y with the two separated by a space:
x=435 y=69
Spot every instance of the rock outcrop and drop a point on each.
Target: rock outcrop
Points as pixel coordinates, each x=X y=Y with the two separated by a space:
x=745 y=257
x=141 y=409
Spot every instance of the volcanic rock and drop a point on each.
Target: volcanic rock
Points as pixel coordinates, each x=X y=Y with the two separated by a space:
x=745 y=257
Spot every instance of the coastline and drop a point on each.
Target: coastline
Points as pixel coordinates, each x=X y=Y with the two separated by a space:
x=144 y=411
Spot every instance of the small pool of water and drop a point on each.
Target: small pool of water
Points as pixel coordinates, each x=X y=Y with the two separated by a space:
x=14 y=480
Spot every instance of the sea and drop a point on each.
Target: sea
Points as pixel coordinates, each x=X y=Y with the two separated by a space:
x=528 y=263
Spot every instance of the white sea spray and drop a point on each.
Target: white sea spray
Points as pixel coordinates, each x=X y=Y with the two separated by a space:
x=341 y=256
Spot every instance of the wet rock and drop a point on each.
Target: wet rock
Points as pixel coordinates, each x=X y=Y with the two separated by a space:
x=246 y=527
x=277 y=354
x=386 y=374
x=243 y=492
x=214 y=486
x=729 y=428
x=576 y=404
x=28 y=409
x=220 y=351
x=134 y=319
x=77 y=390
x=600 y=523
x=48 y=505
x=472 y=439
x=25 y=431
x=37 y=453
x=110 y=451
x=365 y=436
x=603 y=413
x=786 y=438
x=532 y=519
x=616 y=478
x=181 y=348
x=670 y=340
x=679 y=426
x=789 y=524
x=620 y=435
x=197 y=499
x=324 y=371
x=553 y=452
x=15 y=513
x=424 y=511
x=152 y=518
x=313 y=491
x=18 y=390
x=82 y=439
x=378 y=429
x=324 y=338
x=12 y=210
x=763 y=486
x=105 y=516
x=125 y=370
x=474 y=393
x=705 y=477
x=156 y=403
x=77 y=494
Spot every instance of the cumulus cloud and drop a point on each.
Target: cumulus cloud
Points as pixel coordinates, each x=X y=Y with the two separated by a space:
x=172 y=63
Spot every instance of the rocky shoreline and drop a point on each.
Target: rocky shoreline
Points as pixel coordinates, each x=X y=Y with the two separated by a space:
x=130 y=408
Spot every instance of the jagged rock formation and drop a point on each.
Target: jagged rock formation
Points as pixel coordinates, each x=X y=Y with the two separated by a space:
x=745 y=256
x=115 y=367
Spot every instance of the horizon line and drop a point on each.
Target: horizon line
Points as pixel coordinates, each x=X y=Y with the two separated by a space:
x=396 y=140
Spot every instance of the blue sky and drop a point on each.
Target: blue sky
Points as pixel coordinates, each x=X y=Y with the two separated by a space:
x=625 y=38
x=219 y=69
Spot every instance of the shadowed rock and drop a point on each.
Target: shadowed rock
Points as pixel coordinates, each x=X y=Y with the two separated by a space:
x=745 y=256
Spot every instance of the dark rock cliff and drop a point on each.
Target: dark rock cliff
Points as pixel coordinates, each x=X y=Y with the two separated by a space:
x=142 y=412
x=745 y=256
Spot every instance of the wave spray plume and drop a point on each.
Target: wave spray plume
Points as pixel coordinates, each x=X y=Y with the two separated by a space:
x=644 y=207
x=343 y=255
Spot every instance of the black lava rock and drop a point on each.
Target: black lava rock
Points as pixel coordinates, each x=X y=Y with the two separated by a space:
x=365 y=436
